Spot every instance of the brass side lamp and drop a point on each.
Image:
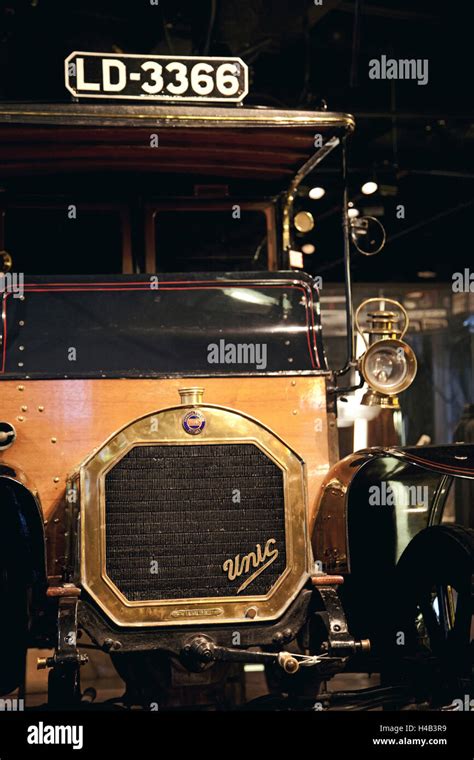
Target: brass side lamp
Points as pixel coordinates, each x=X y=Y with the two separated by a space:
x=388 y=364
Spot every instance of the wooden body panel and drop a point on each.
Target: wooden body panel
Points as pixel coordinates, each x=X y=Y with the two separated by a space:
x=60 y=422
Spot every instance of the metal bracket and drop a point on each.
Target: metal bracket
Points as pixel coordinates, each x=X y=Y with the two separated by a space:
x=340 y=641
x=63 y=681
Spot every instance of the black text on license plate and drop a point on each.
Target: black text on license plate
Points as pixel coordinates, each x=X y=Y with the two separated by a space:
x=155 y=77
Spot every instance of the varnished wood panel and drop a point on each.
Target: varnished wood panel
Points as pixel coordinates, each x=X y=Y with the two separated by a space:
x=59 y=422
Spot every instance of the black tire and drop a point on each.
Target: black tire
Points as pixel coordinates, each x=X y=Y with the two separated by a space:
x=14 y=606
x=434 y=607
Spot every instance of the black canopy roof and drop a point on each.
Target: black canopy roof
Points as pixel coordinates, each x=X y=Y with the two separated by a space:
x=246 y=143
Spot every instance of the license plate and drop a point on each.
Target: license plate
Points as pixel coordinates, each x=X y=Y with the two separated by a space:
x=155 y=77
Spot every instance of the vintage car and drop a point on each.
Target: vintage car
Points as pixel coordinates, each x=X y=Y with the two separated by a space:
x=170 y=481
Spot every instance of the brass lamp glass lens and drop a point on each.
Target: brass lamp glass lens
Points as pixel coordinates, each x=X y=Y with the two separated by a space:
x=386 y=368
x=389 y=366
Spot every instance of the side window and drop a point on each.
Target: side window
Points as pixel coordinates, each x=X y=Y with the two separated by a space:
x=70 y=239
x=230 y=239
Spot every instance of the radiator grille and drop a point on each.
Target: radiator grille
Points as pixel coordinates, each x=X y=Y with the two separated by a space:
x=175 y=513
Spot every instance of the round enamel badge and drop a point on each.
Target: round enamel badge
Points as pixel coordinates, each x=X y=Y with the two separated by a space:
x=194 y=422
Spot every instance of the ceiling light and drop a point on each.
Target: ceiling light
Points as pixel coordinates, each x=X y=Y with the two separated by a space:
x=308 y=248
x=369 y=187
x=316 y=193
x=304 y=221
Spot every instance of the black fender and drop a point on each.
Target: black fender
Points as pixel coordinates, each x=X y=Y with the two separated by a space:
x=22 y=527
x=362 y=537
x=349 y=522
x=456 y=459
x=22 y=573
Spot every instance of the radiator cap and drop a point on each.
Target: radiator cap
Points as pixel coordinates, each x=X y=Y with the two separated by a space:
x=191 y=395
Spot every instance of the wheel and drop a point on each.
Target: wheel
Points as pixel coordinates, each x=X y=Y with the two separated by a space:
x=434 y=608
x=14 y=607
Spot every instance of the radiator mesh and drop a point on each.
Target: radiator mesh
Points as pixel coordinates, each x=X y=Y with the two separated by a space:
x=175 y=513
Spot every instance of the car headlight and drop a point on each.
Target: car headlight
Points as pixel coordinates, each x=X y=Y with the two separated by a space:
x=389 y=366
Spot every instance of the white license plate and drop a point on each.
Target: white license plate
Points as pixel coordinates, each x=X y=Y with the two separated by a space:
x=155 y=77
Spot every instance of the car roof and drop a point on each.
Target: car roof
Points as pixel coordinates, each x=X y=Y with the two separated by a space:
x=255 y=143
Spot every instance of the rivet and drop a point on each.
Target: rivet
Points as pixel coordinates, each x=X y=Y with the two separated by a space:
x=20 y=364
x=22 y=298
x=20 y=418
x=24 y=408
x=56 y=520
x=290 y=360
x=251 y=612
x=56 y=480
x=21 y=323
x=45 y=522
x=287 y=342
x=22 y=348
x=295 y=411
x=293 y=382
x=41 y=409
x=21 y=387
x=53 y=440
